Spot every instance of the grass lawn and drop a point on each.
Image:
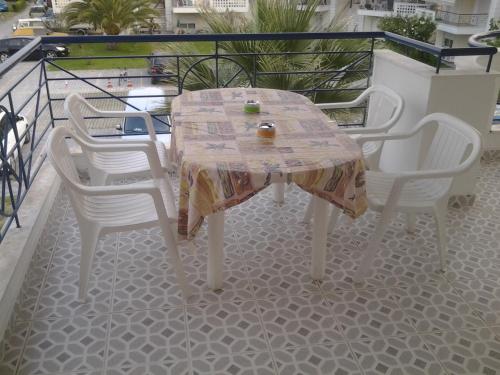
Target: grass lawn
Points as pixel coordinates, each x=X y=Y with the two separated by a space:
x=122 y=49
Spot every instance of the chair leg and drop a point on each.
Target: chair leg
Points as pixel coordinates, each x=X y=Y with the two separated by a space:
x=373 y=246
x=173 y=251
x=279 y=192
x=334 y=217
x=440 y=216
x=309 y=211
x=411 y=221
x=170 y=203
x=89 y=237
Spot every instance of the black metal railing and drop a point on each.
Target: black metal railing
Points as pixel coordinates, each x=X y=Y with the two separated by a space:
x=36 y=91
x=476 y=19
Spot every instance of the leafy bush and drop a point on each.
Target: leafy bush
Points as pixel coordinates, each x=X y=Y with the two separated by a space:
x=419 y=28
x=18 y=5
x=494 y=25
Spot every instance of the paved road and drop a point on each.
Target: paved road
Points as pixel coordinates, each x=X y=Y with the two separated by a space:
x=6 y=21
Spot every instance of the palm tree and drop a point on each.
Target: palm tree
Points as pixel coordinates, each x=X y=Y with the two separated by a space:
x=110 y=16
x=312 y=57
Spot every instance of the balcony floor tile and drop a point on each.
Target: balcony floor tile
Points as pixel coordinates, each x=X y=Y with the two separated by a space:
x=269 y=317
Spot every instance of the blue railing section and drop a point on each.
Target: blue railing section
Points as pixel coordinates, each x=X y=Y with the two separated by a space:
x=31 y=93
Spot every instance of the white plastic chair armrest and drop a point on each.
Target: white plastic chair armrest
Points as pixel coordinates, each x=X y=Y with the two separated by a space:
x=362 y=131
x=356 y=102
x=102 y=140
x=148 y=147
x=146 y=187
x=385 y=137
x=340 y=105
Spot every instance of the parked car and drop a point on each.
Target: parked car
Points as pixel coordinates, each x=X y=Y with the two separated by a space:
x=38 y=11
x=81 y=29
x=49 y=16
x=22 y=124
x=158 y=71
x=496 y=116
x=9 y=46
x=151 y=102
x=4 y=7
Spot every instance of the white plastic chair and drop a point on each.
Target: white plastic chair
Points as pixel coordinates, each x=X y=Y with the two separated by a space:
x=107 y=209
x=455 y=147
x=103 y=166
x=386 y=107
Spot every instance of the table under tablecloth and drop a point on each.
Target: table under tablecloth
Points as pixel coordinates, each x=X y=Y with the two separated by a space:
x=222 y=162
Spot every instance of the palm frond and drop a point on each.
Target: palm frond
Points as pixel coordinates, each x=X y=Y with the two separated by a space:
x=332 y=65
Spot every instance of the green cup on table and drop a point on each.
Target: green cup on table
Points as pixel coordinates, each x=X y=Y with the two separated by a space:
x=252 y=106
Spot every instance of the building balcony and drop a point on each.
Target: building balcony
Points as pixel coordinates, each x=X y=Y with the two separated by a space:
x=461 y=24
x=458 y=19
x=323 y=6
x=270 y=317
x=194 y=6
x=386 y=9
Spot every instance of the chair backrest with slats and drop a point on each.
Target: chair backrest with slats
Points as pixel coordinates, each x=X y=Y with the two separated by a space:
x=73 y=107
x=454 y=144
x=60 y=157
x=384 y=106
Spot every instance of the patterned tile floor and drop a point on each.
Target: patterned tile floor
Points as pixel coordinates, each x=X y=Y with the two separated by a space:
x=270 y=318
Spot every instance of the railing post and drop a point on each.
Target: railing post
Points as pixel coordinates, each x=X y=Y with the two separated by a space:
x=488 y=67
x=217 y=63
x=49 y=98
x=179 y=84
x=438 y=66
x=370 y=67
x=18 y=145
x=13 y=201
x=37 y=108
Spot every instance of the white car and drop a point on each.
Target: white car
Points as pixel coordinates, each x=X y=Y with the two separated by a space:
x=22 y=124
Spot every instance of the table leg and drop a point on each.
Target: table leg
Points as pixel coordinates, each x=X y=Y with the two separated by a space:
x=320 y=225
x=215 y=265
x=279 y=192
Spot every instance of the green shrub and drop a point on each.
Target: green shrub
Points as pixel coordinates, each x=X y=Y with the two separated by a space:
x=419 y=28
x=18 y=5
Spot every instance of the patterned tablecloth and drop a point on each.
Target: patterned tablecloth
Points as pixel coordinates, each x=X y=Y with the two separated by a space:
x=223 y=162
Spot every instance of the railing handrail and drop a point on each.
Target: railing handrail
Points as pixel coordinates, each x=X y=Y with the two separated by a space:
x=211 y=37
x=475 y=40
x=461 y=14
x=20 y=55
x=422 y=46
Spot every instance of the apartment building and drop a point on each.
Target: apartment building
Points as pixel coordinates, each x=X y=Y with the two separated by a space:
x=58 y=5
x=184 y=16
x=456 y=20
